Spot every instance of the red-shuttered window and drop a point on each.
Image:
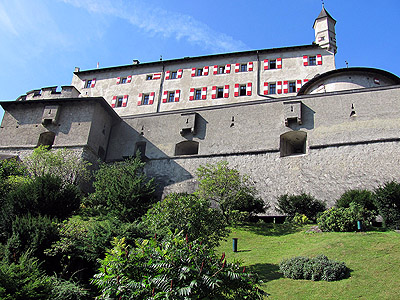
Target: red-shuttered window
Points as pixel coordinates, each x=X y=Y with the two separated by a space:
x=312 y=60
x=89 y=83
x=145 y=98
x=119 y=101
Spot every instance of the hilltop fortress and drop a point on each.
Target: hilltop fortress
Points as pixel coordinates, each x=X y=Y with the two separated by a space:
x=285 y=116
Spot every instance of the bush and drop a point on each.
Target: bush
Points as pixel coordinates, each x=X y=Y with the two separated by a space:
x=317 y=268
x=303 y=204
x=122 y=190
x=344 y=219
x=229 y=190
x=189 y=214
x=300 y=219
x=364 y=198
x=387 y=199
x=172 y=269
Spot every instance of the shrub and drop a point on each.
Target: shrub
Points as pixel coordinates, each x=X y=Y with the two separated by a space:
x=189 y=214
x=363 y=197
x=303 y=204
x=387 y=199
x=317 y=268
x=122 y=190
x=344 y=219
x=300 y=219
x=67 y=290
x=230 y=190
x=172 y=269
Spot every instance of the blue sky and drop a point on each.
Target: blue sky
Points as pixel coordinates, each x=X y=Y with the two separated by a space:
x=41 y=41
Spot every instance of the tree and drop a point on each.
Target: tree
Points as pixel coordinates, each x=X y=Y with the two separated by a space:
x=172 y=269
x=303 y=204
x=230 y=190
x=62 y=163
x=122 y=190
x=363 y=197
x=387 y=199
x=189 y=214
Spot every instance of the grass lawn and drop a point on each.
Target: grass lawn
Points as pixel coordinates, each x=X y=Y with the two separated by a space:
x=373 y=257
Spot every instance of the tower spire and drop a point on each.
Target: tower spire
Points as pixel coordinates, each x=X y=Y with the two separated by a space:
x=324 y=27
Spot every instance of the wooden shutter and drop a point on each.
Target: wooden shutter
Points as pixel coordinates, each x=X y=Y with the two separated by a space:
x=125 y=101
x=250 y=66
x=226 y=91
x=177 y=95
x=298 y=85
x=93 y=82
x=205 y=71
x=279 y=87
x=285 y=87
x=164 y=97
x=118 y=80
x=214 y=92
x=151 y=98
x=191 y=94
x=265 y=88
x=157 y=76
x=237 y=67
x=227 y=69
x=236 y=90
x=129 y=79
x=266 y=66
x=248 y=89
x=279 y=63
x=179 y=73
x=215 y=70
x=113 y=101
x=204 y=93
x=167 y=74
x=193 y=72
x=305 y=80
x=305 y=60
x=319 y=59
x=139 y=99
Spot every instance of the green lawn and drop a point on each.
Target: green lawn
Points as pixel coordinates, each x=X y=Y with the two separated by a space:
x=373 y=257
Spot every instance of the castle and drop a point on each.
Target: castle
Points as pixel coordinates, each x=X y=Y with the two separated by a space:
x=285 y=116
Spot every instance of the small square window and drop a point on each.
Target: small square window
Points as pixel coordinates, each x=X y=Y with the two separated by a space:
x=220 y=92
x=199 y=72
x=119 y=101
x=242 y=90
x=272 y=64
x=145 y=99
x=272 y=88
x=171 y=96
x=243 y=68
x=312 y=60
x=123 y=80
x=173 y=75
x=221 y=70
x=149 y=77
x=197 y=95
x=88 y=84
x=292 y=87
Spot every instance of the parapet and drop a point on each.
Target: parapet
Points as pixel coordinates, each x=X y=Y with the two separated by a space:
x=67 y=91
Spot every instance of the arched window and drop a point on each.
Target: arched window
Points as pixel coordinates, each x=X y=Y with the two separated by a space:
x=187 y=148
x=293 y=143
x=46 y=139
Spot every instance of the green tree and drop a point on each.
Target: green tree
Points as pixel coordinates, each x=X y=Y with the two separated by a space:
x=122 y=190
x=387 y=199
x=363 y=197
x=231 y=191
x=173 y=269
x=189 y=214
x=303 y=204
x=62 y=163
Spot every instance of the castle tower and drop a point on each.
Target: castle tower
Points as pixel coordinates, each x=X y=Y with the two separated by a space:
x=325 y=35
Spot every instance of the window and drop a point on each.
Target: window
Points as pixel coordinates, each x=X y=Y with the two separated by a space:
x=187 y=148
x=171 y=96
x=197 y=95
x=272 y=88
x=173 y=75
x=221 y=70
x=119 y=101
x=292 y=87
x=243 y=68
x=293 y=143
x=145 y=100
x=46 y=139
x=149 y=77
x=199 y=72
x=220 y=92
x=312 y=60
x=242 y=90
x=123 y=79
x=88 y=83
x=272 y=64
